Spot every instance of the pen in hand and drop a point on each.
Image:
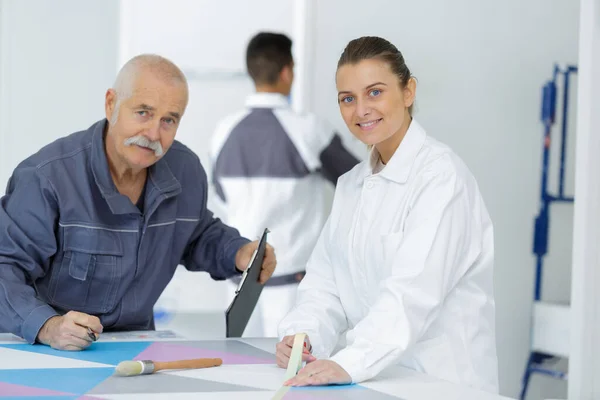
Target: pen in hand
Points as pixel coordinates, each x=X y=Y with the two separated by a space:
x=92 y=335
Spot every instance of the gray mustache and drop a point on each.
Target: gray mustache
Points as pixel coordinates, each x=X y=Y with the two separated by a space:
x=143 y=141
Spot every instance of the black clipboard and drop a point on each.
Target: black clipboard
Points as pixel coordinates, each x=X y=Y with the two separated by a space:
x=247 y=293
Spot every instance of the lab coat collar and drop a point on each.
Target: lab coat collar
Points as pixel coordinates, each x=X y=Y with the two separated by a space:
x=399 y=166
x=267 y=100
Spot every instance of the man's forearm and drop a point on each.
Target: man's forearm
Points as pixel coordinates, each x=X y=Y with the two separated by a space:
x=215 y=249
x=21 y=313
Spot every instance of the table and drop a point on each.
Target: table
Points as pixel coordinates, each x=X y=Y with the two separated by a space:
x=248 y=372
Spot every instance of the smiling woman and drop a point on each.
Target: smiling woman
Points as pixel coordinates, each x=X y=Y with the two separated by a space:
x=376 y=93
x=408 y=279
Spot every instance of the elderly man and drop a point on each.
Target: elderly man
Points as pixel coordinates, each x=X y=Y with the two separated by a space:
x=93 y=226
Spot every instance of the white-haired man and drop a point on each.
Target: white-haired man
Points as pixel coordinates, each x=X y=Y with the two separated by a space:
x=93 y=226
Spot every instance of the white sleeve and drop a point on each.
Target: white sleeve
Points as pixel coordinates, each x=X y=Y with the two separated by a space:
x=309 y=134
x=435 y=242
x=215 y=203
x=318 y=311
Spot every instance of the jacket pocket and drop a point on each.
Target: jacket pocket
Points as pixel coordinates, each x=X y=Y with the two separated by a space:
x=86 y=279
x=386 y=250
x=390 y=244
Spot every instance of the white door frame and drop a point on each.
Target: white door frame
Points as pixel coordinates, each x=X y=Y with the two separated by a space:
x=584 y=361
x=303 y=49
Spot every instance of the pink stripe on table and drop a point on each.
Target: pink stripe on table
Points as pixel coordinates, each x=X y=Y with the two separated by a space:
x=9 y=389
x=170 y=352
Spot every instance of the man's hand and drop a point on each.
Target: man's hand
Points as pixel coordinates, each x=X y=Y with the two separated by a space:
x=244 y=254
x=283 y=350
x=320 y=372
x=69 y=332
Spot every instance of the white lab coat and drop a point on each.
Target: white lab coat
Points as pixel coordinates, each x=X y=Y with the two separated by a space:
x=404 y=268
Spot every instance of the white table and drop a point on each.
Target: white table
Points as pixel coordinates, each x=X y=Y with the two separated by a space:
x=248 y=372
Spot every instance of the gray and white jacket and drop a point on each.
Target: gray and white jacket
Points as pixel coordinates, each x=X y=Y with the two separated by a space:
x=270 y=169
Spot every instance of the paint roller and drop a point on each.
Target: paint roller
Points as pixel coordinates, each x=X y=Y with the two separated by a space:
x=146 y=367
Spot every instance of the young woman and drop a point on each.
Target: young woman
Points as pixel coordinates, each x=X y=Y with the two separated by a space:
x=403 y=270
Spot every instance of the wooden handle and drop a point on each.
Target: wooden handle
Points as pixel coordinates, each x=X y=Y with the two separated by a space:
x=188 y=364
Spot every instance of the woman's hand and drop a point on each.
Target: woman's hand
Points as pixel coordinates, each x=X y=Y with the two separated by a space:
x=320 y=372
x=283 y=350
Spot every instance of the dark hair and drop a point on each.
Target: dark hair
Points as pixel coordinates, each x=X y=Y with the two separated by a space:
x=376 y=48
x=266 y=56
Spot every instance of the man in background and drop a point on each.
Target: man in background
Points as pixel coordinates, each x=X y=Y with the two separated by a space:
x=270 y=170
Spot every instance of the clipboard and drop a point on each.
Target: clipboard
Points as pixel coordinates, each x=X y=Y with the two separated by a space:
x=247 y=293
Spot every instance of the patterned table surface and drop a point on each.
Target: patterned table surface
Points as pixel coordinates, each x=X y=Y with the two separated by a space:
x=248 y=372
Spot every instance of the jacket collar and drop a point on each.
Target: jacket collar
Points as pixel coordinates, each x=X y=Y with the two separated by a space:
x=267 y=100
x=160 y=176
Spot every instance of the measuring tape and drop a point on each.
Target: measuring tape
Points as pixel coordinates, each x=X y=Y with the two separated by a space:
x=293 y=366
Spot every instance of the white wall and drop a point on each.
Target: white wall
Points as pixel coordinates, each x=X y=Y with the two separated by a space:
x=198 y=35
x=480 y=67
x=57 y=59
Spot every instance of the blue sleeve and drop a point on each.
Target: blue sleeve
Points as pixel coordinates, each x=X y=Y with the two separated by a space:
x=213 y=245
x=28 y=218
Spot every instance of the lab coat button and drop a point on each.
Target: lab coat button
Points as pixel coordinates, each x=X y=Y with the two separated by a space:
x=369 y=185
